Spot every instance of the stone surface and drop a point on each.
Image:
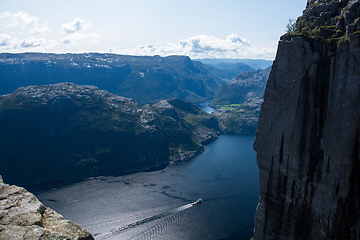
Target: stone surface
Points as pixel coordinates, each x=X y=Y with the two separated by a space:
x=307 y=141
x=24 y=217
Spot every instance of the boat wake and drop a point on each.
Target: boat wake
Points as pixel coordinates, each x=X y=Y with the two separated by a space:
x=149 y=227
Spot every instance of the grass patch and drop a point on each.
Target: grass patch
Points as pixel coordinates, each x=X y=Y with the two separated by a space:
x=230 y=107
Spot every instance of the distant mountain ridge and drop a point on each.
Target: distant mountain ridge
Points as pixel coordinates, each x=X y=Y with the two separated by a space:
x=243 y=86
x=145 y=79
x=227 y=71
x=254 y=63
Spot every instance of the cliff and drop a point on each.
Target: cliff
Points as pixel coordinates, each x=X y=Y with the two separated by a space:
x=67 y=131
x=145 y=79
x=242 y=87
x=23 y=216
x=308 y=135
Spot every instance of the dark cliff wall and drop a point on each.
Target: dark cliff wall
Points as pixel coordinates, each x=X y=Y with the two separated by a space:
x=307 y=140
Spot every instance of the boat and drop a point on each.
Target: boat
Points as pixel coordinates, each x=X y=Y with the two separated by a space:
x=199 y=201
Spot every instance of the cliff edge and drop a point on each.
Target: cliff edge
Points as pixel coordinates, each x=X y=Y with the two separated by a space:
x=308 y=136
x=23 y=217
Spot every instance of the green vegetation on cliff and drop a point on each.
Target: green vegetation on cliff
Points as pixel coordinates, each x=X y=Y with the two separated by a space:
x=331 y=21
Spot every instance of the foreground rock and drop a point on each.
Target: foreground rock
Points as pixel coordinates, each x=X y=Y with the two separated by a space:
x=308 y=138
x=24 y=217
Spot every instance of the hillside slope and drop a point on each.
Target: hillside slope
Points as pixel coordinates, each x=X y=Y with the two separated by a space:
x=66 y=131
x=227 y=70
x=243 y=86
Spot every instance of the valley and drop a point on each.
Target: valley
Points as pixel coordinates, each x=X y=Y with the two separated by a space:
x=56 y=131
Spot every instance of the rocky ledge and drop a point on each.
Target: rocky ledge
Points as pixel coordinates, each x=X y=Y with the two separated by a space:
x=23 y=217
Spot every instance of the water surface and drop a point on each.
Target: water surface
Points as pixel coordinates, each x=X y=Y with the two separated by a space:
x=205 y=106
x=225 y=176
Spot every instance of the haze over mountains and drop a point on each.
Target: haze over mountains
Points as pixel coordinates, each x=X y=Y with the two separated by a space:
x=144 y=79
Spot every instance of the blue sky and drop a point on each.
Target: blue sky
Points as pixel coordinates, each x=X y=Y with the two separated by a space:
x=197 y=28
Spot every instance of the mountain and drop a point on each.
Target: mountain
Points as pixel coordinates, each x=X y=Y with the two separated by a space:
x=146 y=80
x=67 y=131
x=243 y=86
x=187 y=127
x=240 y=118
x=227 y=71
x=254 y=63
x=23 y=216
x=239 y=102
x=308 y=138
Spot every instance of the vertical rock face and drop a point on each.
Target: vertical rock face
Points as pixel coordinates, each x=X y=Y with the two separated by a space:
x=308 y=135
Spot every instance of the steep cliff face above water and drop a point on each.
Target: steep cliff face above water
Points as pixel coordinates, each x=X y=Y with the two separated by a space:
x=24 y=217
x=308 y=135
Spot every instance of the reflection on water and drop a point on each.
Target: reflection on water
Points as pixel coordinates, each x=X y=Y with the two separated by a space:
x=225 y=176
x=205 y=106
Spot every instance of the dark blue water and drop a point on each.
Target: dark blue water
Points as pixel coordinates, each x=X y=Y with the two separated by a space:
x=225 y=176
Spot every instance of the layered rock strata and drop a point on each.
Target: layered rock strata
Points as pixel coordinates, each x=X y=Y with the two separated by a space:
x=308 y=136
x=24 y=217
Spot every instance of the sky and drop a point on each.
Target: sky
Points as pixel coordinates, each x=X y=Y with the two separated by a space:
x=196 y=28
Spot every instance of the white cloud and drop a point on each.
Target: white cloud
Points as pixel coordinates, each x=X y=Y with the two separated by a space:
x=75 y=26
x=33 y=42
x=27 y=23
x=203 y=46
x=5 y=40
x=10 y=43
x=83 y=38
